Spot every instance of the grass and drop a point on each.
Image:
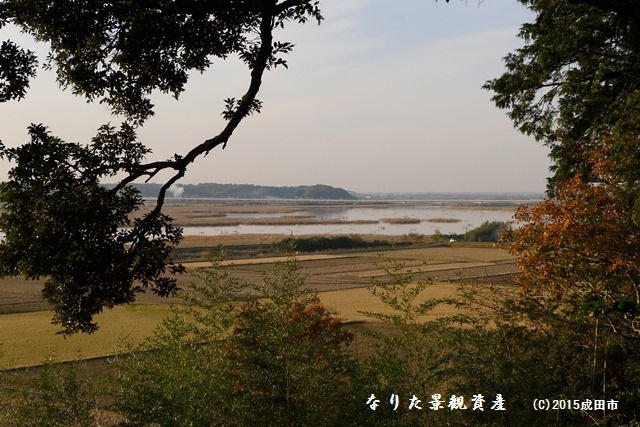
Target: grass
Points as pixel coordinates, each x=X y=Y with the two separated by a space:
x=401 y=220
x=444 y=220
x=30 y=338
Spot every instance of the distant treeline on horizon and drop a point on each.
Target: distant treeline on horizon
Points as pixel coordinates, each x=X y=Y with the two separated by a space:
x=246 y=191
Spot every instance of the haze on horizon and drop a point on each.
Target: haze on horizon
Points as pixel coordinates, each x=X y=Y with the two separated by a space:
x=379 y=98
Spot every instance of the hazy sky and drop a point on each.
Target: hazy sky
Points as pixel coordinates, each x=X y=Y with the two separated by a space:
x=384 y=96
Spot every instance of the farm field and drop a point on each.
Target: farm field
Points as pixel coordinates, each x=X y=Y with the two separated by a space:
x=29 y=339
x=27 y=336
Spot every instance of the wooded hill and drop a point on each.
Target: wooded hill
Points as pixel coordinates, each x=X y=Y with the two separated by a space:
x=247 y=191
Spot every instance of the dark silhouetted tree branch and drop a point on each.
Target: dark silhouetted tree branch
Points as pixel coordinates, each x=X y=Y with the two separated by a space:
x=59 y=221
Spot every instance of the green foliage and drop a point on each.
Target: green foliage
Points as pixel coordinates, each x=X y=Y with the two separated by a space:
x=574 y=86
x=486 y=232
x=273 y=361
x=60 y=223
x=278 y=357
x=180 y=376
x=319 y=243
x=288 y=358
x=526 y=346
x=575 y=78
x=61 y=399
x=514 y=344
x=413 y=358
x=17 y=66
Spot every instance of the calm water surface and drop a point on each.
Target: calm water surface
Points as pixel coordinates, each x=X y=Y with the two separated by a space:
x=469 y=219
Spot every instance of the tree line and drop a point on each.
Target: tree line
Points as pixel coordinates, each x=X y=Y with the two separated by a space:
x=247 y=191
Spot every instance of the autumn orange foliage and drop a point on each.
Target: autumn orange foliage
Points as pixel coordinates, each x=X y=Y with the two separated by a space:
x=583 y=246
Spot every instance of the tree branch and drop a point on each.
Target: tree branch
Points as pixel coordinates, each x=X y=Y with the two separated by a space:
x=180 y=163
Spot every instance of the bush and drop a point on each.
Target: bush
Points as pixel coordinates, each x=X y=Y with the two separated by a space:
x=319 y=243
x=486 y=232
x=413 y=355
x=61 y=399
x=288 y=360
x=277 y=360
x=526 y=346
x=180 y=376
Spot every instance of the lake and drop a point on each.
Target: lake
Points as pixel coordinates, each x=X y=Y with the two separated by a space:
x=466 y=219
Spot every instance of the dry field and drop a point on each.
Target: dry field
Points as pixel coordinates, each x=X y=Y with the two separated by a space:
x=357 y=269
x=27 y=336
x=29 y=339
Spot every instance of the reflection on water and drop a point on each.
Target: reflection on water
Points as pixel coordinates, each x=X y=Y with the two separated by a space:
x=468 y=218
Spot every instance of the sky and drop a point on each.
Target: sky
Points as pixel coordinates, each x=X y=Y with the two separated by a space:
x=383 y=96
